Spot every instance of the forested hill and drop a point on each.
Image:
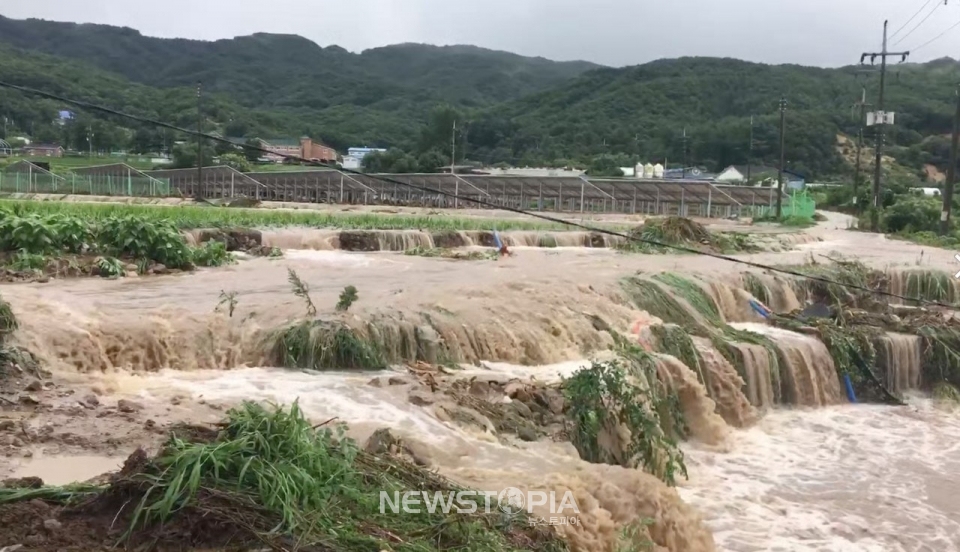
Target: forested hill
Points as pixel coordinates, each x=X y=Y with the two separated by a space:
x=287 y=71
x=645 y=109
x=513 y=109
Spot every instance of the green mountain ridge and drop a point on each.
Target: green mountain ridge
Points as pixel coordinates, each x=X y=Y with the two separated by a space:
x=512 y=108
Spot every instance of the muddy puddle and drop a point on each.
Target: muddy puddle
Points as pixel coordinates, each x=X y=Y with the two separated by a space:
x=64 y=470
x=820 y=475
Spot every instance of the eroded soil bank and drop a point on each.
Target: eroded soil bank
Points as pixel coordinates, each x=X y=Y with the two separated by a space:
x=759 y=475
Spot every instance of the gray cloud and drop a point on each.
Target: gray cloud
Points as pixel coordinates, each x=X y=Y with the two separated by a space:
x=613 y=32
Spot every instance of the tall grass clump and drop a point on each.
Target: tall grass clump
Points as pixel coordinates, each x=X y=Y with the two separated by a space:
x=8 y=322
x=656 y=297
x=610 y=395
x=188 y=217
x=931 y=285
x=272 y=479
x=683 y=232
x=324 y=345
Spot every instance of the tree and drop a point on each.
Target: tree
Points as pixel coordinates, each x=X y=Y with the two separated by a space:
x=431 y=161
x=252 y=153
x=184 y=155
x=236 y=161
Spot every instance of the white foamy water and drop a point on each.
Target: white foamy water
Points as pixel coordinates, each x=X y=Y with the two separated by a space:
x=348 y=397
x=849 y=478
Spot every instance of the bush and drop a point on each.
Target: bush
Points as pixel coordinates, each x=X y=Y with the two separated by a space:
x=34 y=235
x=608 y=395
x=911 y=214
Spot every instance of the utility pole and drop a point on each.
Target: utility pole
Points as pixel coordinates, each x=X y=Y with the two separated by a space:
x=750 y=152
x=200 y=189
x=683 y=173
x=951 y=173
x=783 y=134
x=883 y=55
x=856 y=178
x=453 y=148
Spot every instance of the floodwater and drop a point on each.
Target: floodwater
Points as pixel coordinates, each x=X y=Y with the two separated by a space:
x=843 y=478
x=63 y=470
x=833 y=478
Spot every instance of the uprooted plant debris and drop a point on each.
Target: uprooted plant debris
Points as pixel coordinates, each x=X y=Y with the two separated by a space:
x=268 y=479
x=681 y=231
x=855 y=322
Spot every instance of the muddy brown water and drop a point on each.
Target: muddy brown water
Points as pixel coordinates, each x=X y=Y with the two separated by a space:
x=762 y=477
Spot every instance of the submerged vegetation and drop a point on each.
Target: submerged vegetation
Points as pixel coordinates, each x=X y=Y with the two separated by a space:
x=272 y=478
x=8 y=322
x=443 y=253
x=609 y=397
x=682 y=232
x=326 y=343
x=853 y=325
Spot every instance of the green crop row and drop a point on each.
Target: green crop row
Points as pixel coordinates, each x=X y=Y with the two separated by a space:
x=127 y=237
x=194 y=216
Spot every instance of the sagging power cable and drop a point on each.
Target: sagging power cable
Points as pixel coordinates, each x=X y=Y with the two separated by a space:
x=476 y=201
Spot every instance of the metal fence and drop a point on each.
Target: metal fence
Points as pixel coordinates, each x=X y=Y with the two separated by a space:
x=46 y=183
x=799 y=205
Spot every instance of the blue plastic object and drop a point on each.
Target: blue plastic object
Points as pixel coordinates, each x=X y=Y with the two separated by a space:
x=496 y=239
x=759 y=309
x=849 y=385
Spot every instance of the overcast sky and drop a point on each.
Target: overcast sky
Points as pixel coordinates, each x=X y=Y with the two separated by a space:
x=612 y=32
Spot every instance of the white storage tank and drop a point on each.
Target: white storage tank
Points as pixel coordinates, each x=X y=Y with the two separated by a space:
x=658 y=171
x=648 y=170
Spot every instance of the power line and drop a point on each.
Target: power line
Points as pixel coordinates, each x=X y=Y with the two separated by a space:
x=933 y=11
x=934 y=39
x=911 y=18
x=555 y=220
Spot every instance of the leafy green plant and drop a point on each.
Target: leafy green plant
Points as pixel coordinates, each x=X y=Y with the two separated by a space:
x=347 y=297
x=301 y=290
x=212 y=253
x=110 y=267
x=73 y=234
x=31 y=233
x=158 y=240
x=611 y=395
x=26 y=261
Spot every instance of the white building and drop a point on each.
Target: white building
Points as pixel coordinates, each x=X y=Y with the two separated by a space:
x=731 y=174
x=360 y=153
x=352 y=162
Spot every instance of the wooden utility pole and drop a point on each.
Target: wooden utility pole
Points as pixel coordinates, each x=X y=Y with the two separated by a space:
x=750 y=152
x=453 y=148
x=856 y=178
x=951 y=173
x=453 y=163
x=683 y=171
x=200 y=189
x=783 y=157
x=877 y=171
